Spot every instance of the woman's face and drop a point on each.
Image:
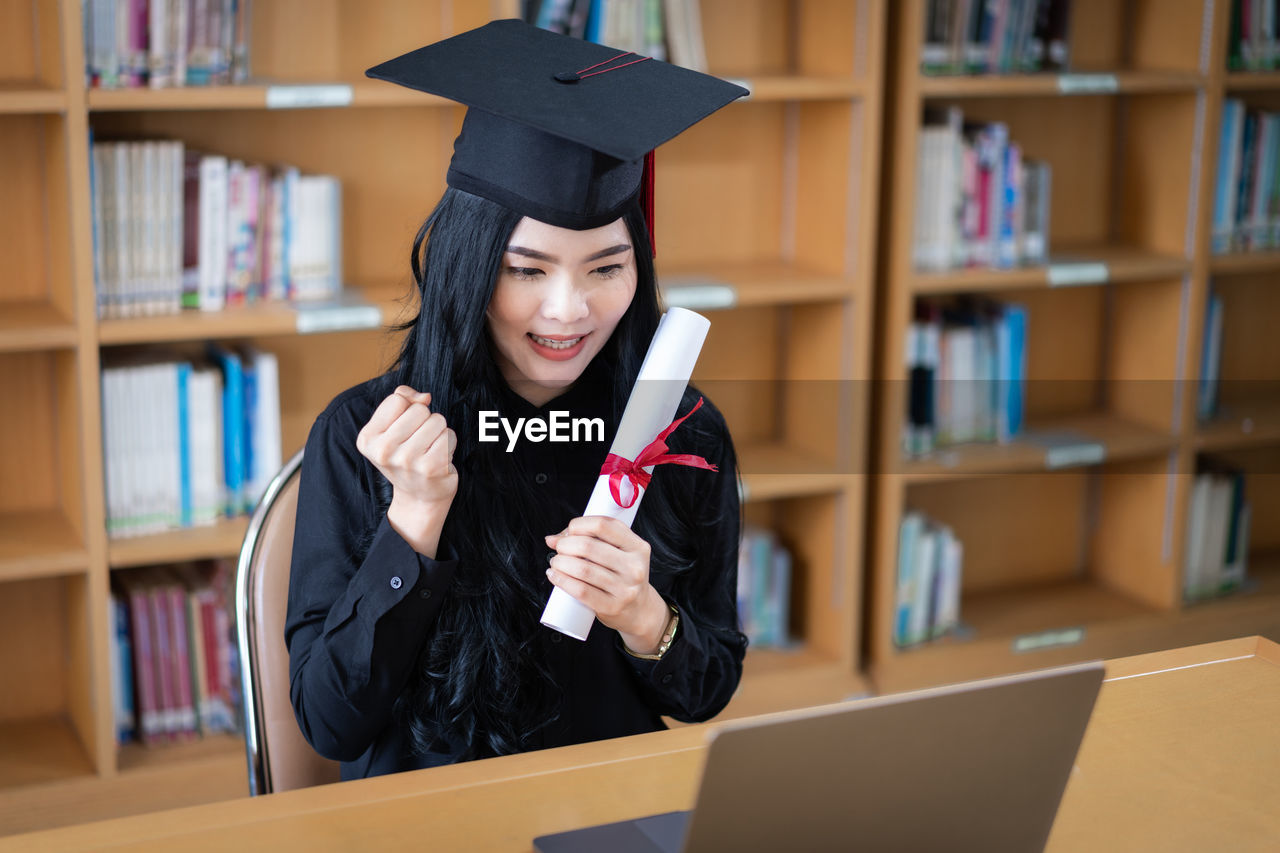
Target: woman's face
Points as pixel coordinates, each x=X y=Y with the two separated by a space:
x=559 y=296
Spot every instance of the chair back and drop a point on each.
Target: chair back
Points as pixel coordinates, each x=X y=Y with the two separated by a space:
x=280 y=759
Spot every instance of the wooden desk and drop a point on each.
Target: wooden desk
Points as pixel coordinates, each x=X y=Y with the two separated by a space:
x=1182 y=753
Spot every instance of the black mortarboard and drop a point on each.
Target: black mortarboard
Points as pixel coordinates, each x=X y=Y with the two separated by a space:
x=558 y=128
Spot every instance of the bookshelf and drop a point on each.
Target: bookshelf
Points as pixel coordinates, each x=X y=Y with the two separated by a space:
x=766 y=218
x=1081 y=561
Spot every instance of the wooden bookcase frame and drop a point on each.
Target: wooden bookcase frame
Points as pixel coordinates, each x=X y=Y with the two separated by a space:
x=1084 y=563
x=774 y=202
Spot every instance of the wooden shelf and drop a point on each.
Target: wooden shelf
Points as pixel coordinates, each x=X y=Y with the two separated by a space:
x=1067 y=268
x=137 y=758
x=1059 y=85
x=778 y=680
x=1015 y=629
x=39 y=752
x=375 y=93
x=1120 y=439
x=31 y=97
x=28 y=326
x=1243 y=263
x=261 y=319
x=192 y=543
x=1074 y=621
x=255 y=96
x=789 y=88
x=771 y=471
x=1241 y=425
x=39 y=543
x=1240 y=81
x=745 y=286
x=165 y=778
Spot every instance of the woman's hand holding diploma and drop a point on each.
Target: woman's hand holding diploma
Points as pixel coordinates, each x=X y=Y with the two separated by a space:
x=602 y=563
x=413 y=448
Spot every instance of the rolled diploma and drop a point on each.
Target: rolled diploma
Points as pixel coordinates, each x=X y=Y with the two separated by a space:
x=650 y=409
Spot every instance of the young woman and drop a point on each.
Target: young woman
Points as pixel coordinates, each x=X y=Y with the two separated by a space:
x=423 y=555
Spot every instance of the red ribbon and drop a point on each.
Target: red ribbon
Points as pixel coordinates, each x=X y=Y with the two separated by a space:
x=617 y=467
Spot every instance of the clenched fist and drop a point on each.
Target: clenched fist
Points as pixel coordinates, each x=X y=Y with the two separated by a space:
x=413 y=448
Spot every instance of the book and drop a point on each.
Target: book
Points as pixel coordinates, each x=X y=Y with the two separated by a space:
x=134 y=589
x=1210 y=358
x=233 y=431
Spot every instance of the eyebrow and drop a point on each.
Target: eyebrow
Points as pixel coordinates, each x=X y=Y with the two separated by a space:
x=552 y=259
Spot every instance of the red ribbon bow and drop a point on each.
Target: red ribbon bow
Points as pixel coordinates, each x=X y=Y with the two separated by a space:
x=655 y=453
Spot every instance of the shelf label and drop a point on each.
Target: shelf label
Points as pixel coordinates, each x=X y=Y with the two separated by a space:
x=1076 y=273
x=1074 y=455
x=700 y=296
x=299 y=97
x=1054 y=639
x=1087 y=84
x=337 y=318
x=738 y=81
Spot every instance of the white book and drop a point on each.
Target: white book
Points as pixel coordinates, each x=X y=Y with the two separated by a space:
x=153 y=223
x=205 y=424
x=947 y=614
x=159 y=49
x=151 y=455
x=122 y=449
x=139 y=220
x=131 y=429
x=177 y=166
x=123 y=222
x=169 y=451
x=180 y=32
x=103 y=229
x=266 y=441
x=910 y=533
x=314 y=251
x=1197 y=522
x=110 y=449
x=1214 y=556
x=926 y=569
x=213 y=232
x=684 y=34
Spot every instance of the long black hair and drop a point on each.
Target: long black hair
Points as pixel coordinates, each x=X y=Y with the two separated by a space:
x=480 y=688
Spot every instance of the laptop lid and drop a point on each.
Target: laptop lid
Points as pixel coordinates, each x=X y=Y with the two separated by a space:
x=974 y=766
x=980 y=766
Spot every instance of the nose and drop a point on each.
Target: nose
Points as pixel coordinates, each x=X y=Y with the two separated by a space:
x=564 y=301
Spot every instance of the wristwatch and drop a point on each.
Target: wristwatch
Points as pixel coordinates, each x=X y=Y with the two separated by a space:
x=668 y=635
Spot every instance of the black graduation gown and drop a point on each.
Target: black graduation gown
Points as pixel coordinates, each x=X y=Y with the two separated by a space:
x=354 y=629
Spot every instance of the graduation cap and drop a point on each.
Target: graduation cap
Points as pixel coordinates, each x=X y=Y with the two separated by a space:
x=558 y=129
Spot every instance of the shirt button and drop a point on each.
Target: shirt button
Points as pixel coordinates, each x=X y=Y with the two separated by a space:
x=555 y=638
x=550 y=556
x=540 y=479
x=426 y=593
x=396 y=583
x=666 y=679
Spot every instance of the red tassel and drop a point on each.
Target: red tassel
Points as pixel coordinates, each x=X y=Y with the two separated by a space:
x=646 y=200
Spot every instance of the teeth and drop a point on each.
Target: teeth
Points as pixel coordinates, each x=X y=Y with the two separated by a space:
x=550 y=344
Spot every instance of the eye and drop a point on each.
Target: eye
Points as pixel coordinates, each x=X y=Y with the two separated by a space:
x=611 y=271
x=524 y=273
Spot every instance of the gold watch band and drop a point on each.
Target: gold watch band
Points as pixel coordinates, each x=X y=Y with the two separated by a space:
x=668 y=635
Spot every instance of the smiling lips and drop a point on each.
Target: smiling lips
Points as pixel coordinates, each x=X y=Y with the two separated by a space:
x=557 y=347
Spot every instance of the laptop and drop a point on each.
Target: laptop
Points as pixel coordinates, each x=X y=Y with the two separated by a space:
x=974 y=766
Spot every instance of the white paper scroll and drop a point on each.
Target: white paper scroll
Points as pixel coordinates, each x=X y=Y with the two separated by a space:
x=651 y=408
